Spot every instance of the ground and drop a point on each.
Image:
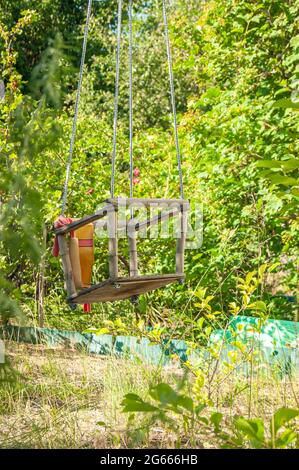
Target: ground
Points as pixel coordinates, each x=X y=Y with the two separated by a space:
x=66 y=399
x=63 y=395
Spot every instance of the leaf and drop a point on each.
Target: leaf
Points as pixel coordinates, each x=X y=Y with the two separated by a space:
x=285 y=439
x=273 y=267
x=262 y=269
x=186 y=402
x=200 y=380
x=203 y=419
x=286 y=103
x=200 y=323
x=200 y=293
x=212 y=93
x=249 y=277
x=291 y=164
x=256 y=18
x=101 y=423
x=258 y=305
x=215 y=419
x=284 y=180
x=295 y=41
x=268 y=164
x=283 y=416
x=133 y=403
x=102 y=331
x=200 y=408
x=252 y=428
x=164 y=394
x=168 y=396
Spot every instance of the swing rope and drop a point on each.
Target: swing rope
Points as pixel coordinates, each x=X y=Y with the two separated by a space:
x=74 y=128
x=173 y=103
x=116 y=100
x=131 y=94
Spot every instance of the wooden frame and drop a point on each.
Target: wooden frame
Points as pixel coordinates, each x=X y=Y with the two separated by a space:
x=134 y=285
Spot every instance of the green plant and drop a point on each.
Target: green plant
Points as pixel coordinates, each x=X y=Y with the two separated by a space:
x=176 y=411
x=282 y=431
x=179 y=414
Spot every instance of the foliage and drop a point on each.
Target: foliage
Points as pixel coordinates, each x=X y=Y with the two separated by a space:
x=236 y=80
x=21 y=217
x=180 y=414
x=282 y=432
x=174 y=410
x=236 y=75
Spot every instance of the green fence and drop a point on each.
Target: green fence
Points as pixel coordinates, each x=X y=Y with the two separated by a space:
x=276 y=341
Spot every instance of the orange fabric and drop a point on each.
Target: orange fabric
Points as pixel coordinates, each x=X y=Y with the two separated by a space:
x=86 y=252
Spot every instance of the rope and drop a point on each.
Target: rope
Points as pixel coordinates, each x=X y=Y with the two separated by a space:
x=171 y=82
x=116 y=97
x=116 y=100
x=74 y=128
x=131 y=96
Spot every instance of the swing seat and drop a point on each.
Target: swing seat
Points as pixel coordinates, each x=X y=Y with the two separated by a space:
x=116 y=287
x=77 y=260
x=123 y=288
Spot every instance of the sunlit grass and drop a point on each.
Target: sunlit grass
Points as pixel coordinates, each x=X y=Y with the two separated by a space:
x=70 y=400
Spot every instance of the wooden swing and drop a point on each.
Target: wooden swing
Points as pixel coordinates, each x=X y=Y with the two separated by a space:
x=116 y=287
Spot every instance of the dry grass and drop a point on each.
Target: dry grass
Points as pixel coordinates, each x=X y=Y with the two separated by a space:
x=63 y=395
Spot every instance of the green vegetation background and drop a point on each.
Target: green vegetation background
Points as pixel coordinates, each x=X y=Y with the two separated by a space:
x=236 y=78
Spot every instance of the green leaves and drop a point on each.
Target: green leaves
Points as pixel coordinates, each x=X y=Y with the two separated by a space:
x=282 y=417
x=176 y=411
x=259 y=305
x=286 y=103
x=166 y=395
x=216 y=419
x=276 y=168
x=47 y=75
x=133 y=403
x=286 y=165
x=240 y=432
x=284 y=180
x=240 y=153
x=253 y=429
x=166 y=398
x=268 y=164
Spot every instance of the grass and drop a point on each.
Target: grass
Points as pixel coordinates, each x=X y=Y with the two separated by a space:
x=61 y=397
x=64 y=397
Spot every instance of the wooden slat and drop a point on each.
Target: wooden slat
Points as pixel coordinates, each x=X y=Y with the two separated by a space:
x=127 y=287
x=181 y=241
x=85 y=220
x=67 y=267
x=115 y=202
x=133 y=255
x=113 y=244
x=158 y=218
x=147 y=201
